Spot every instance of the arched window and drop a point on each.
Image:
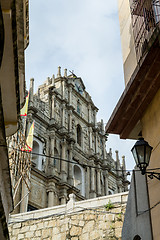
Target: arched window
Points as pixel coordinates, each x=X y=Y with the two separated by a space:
x=137 y=237
x=77 y=177
x=35 y=153
x=79 y=134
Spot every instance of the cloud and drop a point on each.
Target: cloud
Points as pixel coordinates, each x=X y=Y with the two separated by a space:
x=82 y=36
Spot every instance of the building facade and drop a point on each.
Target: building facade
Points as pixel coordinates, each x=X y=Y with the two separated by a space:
x=69 y=146
x=138 y=109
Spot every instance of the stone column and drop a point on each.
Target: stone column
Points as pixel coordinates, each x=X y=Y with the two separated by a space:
x=52 y=137
x=118 y=164
x=104 y=148
x=51 y=195
x=70 y=173
x=50 y=198
x=70 y=121
x=70 y=95
x=93 y=186
x=47 y=153
x=64 y=163
x=96 y=142
x=98 y=182
x=31 y=91
x=106 y=182
x=64 y=196
x=90 y=137
x=53 y=108
x=53 y=79
x=95 y=117
x=119 y=186
x=124 y=168
x=125 y=174
x=59 y=72
x=63 y=115
x=65 y=72
x=89 y=113
x=63 y=89
x=82 y=139
x=87 y=185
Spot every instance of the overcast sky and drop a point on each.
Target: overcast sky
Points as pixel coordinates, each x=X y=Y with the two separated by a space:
x=82 y=36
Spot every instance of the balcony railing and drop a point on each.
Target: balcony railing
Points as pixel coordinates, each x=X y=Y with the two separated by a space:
x=145 y=15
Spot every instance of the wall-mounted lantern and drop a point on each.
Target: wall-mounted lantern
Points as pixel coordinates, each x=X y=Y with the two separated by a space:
x=141 y=152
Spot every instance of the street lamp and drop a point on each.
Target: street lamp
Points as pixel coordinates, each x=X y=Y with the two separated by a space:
x=141 y=152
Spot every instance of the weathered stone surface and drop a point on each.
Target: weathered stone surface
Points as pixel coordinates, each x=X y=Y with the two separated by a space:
x=89 y=216
x=29 y=234
x=75 y=231
x=89 y=226
x=96 y=224
x=17 y=225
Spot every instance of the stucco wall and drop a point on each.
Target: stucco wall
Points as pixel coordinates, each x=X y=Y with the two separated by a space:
x=85 y=220
x=127 y=39
x=151 y=133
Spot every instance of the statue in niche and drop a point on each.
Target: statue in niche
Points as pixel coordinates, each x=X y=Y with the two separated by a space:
x=57 y=113
x=73 y=124
x=43 y=164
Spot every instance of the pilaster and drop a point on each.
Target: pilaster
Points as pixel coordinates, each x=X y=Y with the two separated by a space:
x=53 y=107
x=104 y=148
x=47 y=162
x=89 y=113
x=99 y=182
x=106 y=182
x=70 y=95
x=64 y=163
x=70 y=121
x=63 y=197
x=63 y=115
x=31 y=91
x=70 y=167
x=51 y=194
x=90 y=137
x=96 y=142
x=93 y=186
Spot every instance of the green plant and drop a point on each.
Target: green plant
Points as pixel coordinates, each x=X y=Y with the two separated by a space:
x=119 y=217
x=109 y=206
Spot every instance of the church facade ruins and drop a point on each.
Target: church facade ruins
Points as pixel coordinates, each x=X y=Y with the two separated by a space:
x=69 y=146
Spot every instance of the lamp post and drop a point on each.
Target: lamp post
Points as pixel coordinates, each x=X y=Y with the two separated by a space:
x=141 y=152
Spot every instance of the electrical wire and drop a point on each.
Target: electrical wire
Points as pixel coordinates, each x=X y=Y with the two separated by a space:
x=77 y=162
x=69 y=161
x=142 y=212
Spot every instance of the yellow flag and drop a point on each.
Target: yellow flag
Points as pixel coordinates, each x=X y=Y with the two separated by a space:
x=25 y=107
x=29 y=140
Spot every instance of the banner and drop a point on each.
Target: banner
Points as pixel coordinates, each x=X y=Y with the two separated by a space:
x=29 y=140
x=24 y=110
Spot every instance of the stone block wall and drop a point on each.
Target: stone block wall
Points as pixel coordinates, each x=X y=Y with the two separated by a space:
x=85 y=220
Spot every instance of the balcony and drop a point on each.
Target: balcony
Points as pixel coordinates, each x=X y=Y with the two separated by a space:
x=145 y=20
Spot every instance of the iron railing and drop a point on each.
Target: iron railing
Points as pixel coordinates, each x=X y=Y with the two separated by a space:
x=145 y=15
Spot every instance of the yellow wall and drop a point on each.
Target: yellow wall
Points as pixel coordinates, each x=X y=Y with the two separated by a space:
x=151 y=133
x=127 y=40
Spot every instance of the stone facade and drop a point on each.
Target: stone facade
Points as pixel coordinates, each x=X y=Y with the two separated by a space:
x=83 y=220
x=69 y=146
